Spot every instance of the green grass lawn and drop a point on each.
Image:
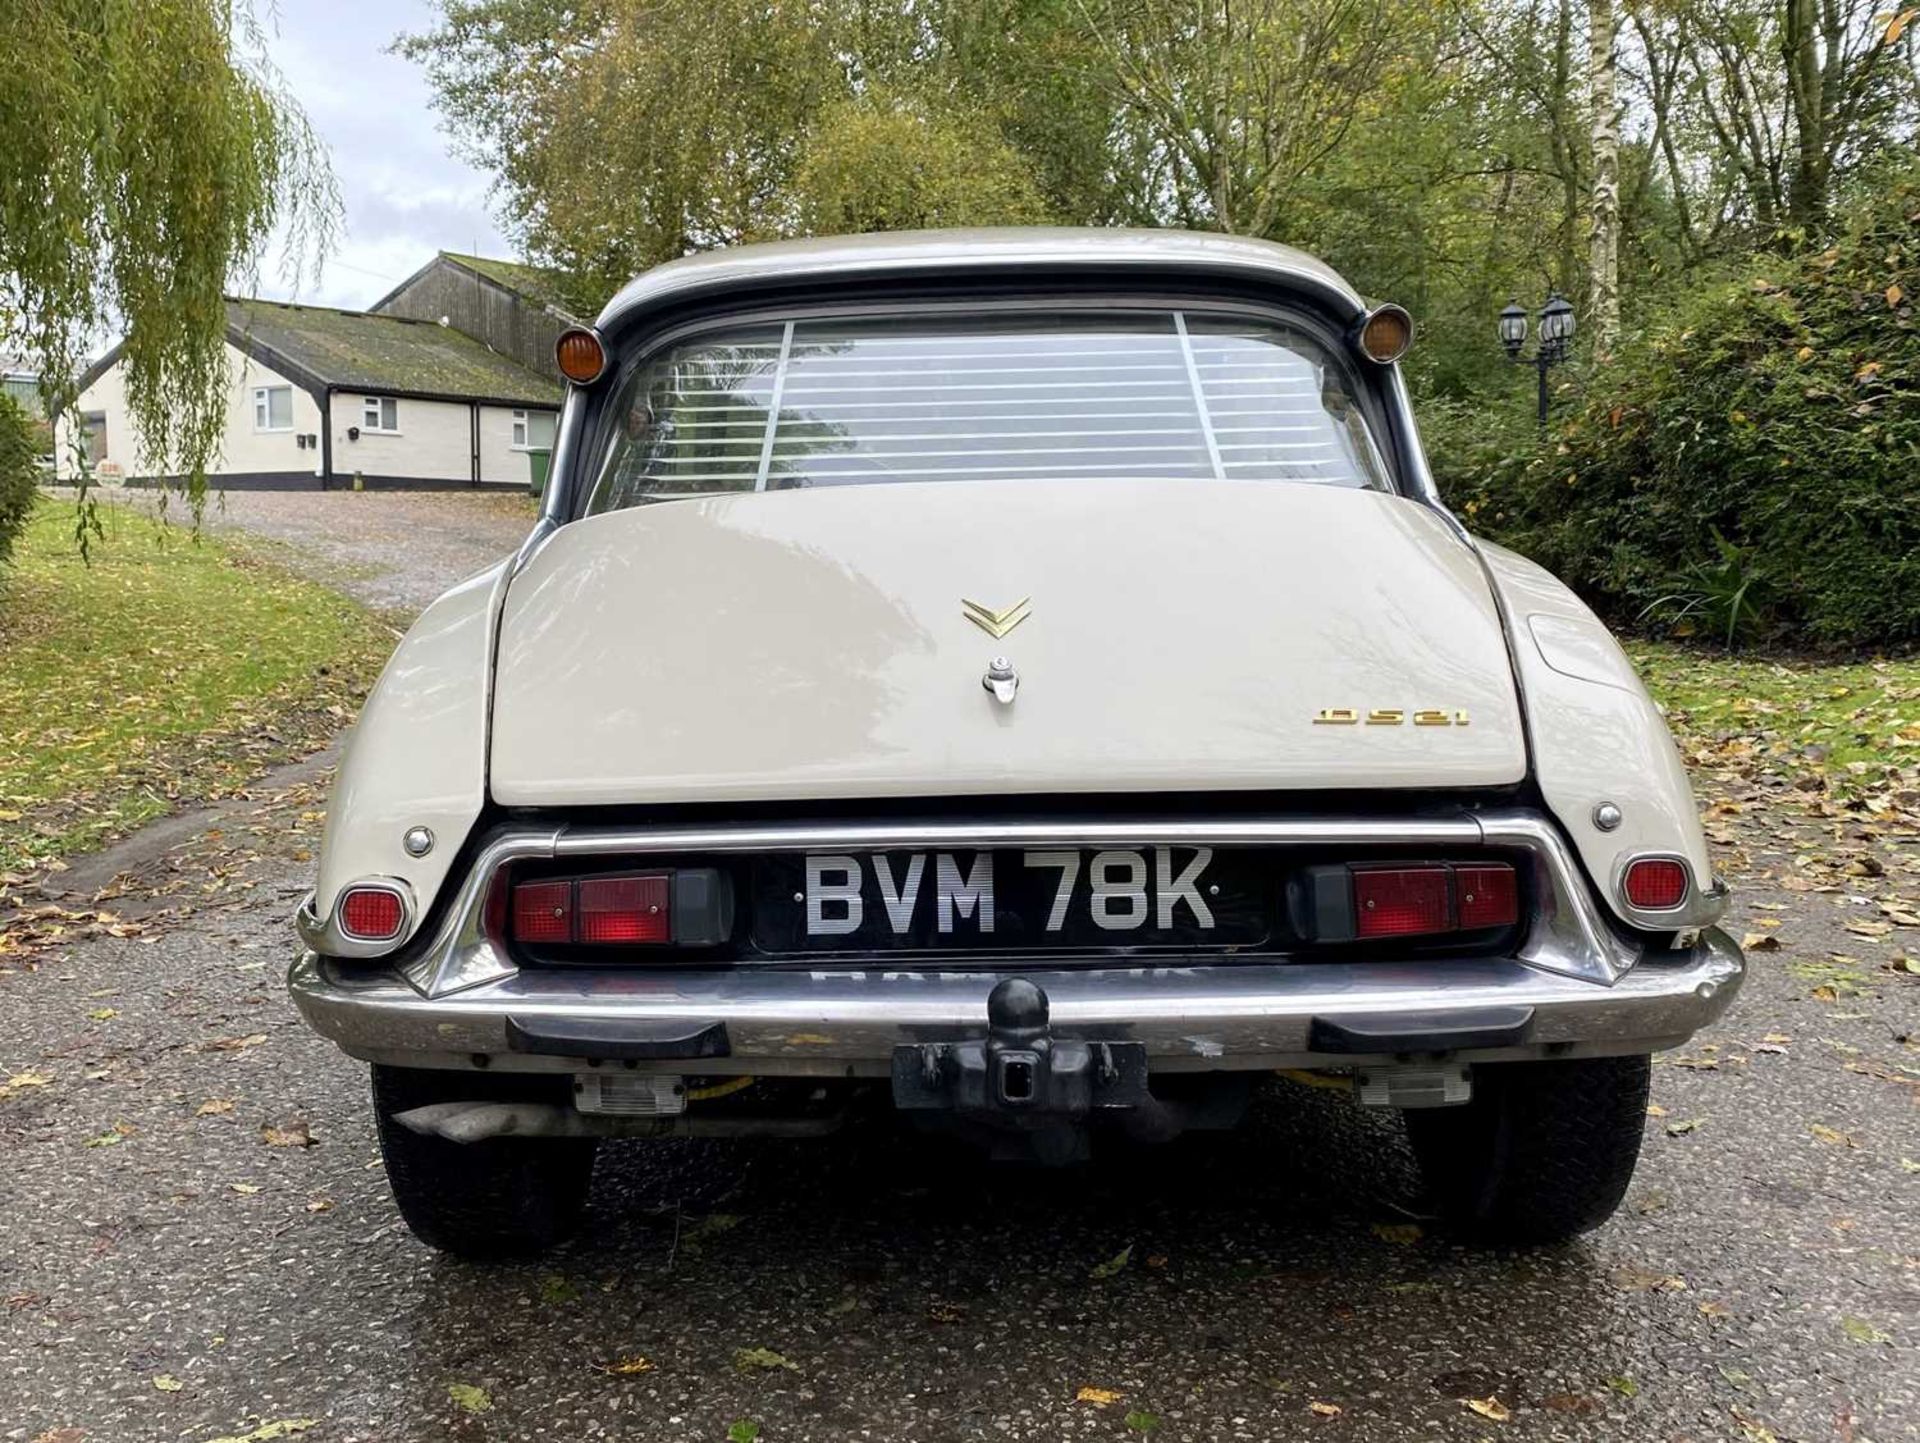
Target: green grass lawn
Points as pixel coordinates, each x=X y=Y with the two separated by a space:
x=175 y=667
x=1856 y=724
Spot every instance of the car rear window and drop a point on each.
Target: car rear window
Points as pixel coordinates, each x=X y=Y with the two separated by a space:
x=1013 y=396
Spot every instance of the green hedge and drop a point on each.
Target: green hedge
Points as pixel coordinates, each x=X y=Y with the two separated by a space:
x=1763 y=444
x=19 y=477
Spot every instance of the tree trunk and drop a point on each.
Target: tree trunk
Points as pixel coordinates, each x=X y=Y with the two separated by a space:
x=1565 y=143
x=1807 y=190
x=1604 y=257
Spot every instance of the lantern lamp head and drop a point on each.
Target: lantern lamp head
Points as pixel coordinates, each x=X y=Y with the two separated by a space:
x=1556 y=325
x=1513 y=328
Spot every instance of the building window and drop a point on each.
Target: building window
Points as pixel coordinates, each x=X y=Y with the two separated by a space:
x=380 y=413
x=533 y=430
x=273 y=408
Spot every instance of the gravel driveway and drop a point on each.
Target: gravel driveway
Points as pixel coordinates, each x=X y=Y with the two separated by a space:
x=392 y=549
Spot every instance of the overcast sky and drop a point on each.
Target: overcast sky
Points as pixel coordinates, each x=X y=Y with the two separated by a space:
x=405 y=195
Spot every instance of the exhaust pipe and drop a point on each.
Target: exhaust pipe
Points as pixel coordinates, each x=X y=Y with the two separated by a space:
x=482 y=1121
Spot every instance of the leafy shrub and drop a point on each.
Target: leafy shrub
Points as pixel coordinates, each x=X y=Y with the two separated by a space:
x=1765 y=442
x=1723 y=597
x=19 y=475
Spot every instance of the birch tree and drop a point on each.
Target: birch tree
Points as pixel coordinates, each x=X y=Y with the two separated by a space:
x=1604 y=254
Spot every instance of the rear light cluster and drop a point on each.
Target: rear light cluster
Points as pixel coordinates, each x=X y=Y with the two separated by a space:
x=685 y=906
x=1366 y=900
x=1436 y=897
x=594 y=910
x=1656 y=884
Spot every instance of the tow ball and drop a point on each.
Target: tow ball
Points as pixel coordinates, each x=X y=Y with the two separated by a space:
x=1020 y=1069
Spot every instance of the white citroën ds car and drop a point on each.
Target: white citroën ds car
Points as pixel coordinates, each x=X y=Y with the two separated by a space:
x=1029 y=679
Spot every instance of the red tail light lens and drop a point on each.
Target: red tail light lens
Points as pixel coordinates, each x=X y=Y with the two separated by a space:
x=626 y=909
x=595 y=910
x=1488 y=896
x=371 y=914
x=1656 y=884
x=1359 y=901
x=543 y=912
x=1401 y=901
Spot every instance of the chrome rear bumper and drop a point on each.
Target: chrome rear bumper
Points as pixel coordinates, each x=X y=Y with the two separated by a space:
x=1213 y=1016
x=1569 y=933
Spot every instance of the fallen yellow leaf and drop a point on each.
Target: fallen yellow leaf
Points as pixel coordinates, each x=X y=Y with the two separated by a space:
x=268 y=1432
x=235 y=1044
x=474 y=1400
x=1631 y=1279
x=21 y=1081
x=626 y=1366
x=1098 y=1397
x=1325 y=1410
x=1489 y=1408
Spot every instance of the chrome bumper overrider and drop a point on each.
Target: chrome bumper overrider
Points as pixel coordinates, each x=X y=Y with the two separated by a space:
x=1222 y=1015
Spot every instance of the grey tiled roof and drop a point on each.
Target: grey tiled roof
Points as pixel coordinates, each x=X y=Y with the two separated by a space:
x=357 y=350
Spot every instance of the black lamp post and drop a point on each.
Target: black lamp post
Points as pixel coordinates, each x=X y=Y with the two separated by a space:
x=1555 y=342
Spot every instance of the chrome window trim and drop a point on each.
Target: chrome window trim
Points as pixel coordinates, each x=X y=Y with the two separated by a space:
x=1571 y=934
x=330 y=936
x=556 y=502
x=1412 y=471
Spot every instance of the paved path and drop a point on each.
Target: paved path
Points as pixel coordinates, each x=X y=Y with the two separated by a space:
x=171 y=1274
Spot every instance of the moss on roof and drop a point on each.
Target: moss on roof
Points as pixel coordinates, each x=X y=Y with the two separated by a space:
x=358 y=350
x=541 y=284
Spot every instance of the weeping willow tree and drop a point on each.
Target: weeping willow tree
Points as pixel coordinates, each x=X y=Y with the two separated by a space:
x=148 y=150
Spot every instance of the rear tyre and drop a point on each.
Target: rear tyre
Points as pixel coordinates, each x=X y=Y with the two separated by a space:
x=1544 y=1151
x=506 y=1197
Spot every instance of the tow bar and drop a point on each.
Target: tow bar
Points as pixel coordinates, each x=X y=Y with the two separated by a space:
x=1021 y=1070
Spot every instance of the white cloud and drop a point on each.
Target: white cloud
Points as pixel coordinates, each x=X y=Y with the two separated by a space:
x=405 y=195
